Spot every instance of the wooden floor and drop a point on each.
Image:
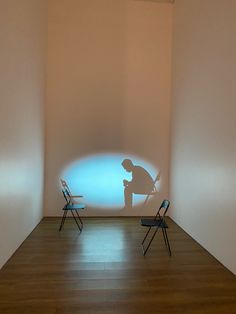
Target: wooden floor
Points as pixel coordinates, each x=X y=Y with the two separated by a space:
x=102 y=270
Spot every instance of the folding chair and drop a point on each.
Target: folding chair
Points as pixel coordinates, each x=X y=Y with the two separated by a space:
x=158 y=222
x=71 y=205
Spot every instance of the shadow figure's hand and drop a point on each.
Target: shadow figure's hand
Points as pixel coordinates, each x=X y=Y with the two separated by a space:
x=125 y=182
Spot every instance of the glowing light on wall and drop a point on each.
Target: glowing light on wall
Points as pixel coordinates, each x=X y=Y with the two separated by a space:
x=99 y=178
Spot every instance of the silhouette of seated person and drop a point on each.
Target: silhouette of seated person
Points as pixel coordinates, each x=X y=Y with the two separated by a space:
x=141 y=183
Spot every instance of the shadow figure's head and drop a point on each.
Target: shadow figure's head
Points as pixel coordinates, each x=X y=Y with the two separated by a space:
x=127 y=165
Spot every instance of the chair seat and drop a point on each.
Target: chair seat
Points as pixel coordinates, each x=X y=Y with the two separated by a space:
x=153 y=223
x=74 y=207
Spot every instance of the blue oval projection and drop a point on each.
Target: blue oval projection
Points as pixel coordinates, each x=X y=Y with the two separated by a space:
x=99 y=178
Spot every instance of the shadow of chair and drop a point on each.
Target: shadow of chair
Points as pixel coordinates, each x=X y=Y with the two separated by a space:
x=158 y=222
x=154 y=191
x=73 y=205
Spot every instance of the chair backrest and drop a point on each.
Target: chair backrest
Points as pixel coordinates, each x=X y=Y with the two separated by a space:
x=65 y=185
x=65 y=191
x=162 y=210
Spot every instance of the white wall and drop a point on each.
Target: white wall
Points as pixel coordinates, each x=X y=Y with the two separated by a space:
x=108 y=86
x=22 y=74
x=203 y=149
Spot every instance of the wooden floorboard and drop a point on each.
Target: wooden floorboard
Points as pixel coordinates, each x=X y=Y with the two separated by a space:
x=102 y=270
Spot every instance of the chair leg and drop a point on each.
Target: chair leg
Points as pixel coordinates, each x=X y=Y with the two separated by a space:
x=76 y=220
x=168 y=244
x=145 y=251
x=63 y=219
x=146 y=235
x=79 y=219
x=164 y=236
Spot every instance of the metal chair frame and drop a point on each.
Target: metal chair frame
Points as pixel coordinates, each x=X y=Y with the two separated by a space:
x=71 y=206
x=157 y=222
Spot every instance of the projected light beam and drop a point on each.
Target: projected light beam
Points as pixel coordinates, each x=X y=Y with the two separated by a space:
x=99 y=178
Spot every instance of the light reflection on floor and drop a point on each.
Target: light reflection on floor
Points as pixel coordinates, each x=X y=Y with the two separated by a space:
x=103 y=244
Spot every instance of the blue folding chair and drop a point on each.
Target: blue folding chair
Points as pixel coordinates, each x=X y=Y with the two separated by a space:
x=72 y=205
